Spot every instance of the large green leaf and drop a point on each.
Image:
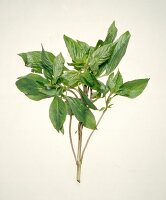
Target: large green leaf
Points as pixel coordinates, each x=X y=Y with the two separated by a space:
x=31 y=86
x=82 y=113
x=57 y=113
x=58 y=67
x=71 y=78
x=78 y=50
x=111 y=34
x=118 y=52
x=133 y=88
x=99 y=56
x=33 y=59
x=86 y=100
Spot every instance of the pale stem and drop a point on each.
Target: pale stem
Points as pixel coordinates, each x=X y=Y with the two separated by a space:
x=80 y=127
x=70 y=137
x=86 y=144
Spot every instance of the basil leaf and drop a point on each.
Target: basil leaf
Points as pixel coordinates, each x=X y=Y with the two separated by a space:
x=32 y=59
x=118 y=80
x=31 y=85
x=114 y=82
x=71 y=78
x=90 y=80
x=99 y=44
x=38 y=61
x=111 y=34
x=58 y=66
x=120 y=47
x=51 y=91
x=78 y=50
x=133 y=88
x=86 y=100
x=47 y=63
x=82 y=113
x=69 y=111
x=99 y=56
x=47 y=59
x=57 y=113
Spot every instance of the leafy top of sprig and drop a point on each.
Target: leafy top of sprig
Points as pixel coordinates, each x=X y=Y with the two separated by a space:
x=50 y=77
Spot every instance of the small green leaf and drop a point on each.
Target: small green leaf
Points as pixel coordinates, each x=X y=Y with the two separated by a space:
x=120 y=47
x=31 y=85
x=99 y=56
x=86 y=100
x=70 y=78
x=133 y=88
x=102 y=108
x=57 y=113
x=96 y=95
x=118 y=80
x=110 y=82
x=82 y=113
x=111 y=34
x=58 y=66
x=114 y=82
x=99 y=44
x=78 y=50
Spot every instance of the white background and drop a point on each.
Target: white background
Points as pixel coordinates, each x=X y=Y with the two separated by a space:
x=126 y=160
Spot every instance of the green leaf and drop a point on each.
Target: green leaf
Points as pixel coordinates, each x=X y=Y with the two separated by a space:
x=90 y=80
x=31 y=85
x=32 y=59
x=102 y=109
x=111 y=34
x=82 y=113
x=133 y=88
x=120 y=47
x=86 y=100
x=47 y=59
x=118 y=80
x=69 y=111
x=71 y=78
x=78 y=50
x=99 y=44
x=58 y=67
x=51 y=91
x=39 y=61
x=96 y=95
x=57 y=113
x=99 y=56
x=114 y=82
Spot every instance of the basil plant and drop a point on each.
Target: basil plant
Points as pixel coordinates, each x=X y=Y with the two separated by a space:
x=75 y=87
